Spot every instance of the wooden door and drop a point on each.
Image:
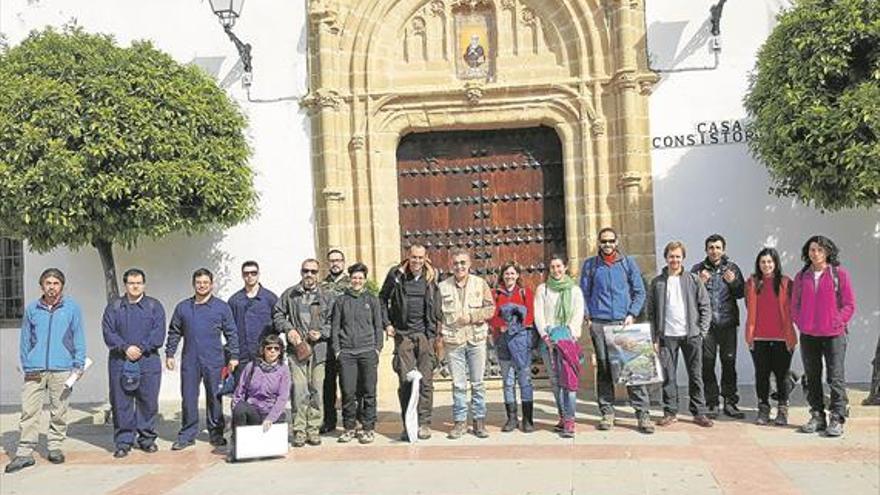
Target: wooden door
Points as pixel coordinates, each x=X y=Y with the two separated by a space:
x=497 y=194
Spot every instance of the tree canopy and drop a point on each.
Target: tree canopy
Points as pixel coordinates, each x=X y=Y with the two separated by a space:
x=102 y=144
x=814 y=99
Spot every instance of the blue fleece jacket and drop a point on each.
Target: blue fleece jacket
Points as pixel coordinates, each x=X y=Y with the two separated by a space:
x=612 y=292
x=52 y=340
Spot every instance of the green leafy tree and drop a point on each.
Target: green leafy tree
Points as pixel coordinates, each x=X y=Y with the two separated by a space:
x=103 y=145
x=814 y=100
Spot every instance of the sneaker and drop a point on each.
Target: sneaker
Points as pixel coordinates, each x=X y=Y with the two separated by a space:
x=871 y=400
x=121 y=452
x=178 y=445
x=568 y=429
x=781 y=415
x=731 y=410
x=347 y=436
x=424 y=432
x=458 y=429
x=327 y=428
x=646 y=426
x=150 y=448
x=607 y=422
x=313 y=438
x=559 y=426
x=667 y=420
x=218 y=441
x=299 y=439
x=19 y=463
x=702 y=420
x=816 y=423
x=763 y=418
x=404 y=436
x=366 y=437
x=712 y=412
x=55 y=456
x=835 y=427
x=480 y=428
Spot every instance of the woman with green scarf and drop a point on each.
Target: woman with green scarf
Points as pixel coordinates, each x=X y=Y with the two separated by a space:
x=559 y=314
x=356 y=340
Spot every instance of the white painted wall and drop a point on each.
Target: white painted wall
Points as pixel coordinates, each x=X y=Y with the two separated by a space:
x=700 y=190
x=279 y=237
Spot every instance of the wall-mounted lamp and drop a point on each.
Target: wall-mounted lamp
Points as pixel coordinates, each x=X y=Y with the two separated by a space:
x=228 y=11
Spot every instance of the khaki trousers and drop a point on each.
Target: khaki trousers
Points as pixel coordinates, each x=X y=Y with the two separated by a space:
x=33 y=395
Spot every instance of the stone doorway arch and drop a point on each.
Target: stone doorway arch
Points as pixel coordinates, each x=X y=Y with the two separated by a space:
x=380 y=69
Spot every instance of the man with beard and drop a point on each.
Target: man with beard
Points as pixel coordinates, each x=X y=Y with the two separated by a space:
x=334 y=284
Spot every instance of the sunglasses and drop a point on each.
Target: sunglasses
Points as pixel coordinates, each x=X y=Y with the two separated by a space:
x=608 y=241
x=340 y=260
x=250 y=273
x=306 y=270
x=272 y=348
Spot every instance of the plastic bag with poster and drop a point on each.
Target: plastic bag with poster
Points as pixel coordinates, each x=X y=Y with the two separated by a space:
x=631 y=354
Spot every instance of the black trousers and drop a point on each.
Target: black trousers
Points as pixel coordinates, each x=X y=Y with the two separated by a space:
x=331 y=379
x=415 y=351
x=771 y=357
x=720 y=342
x=875 y=376
x=692 y=349
x=833 y=351
x=245 y=414
x=358 y=374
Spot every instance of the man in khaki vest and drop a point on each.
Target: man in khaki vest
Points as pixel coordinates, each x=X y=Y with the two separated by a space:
x=467 y=304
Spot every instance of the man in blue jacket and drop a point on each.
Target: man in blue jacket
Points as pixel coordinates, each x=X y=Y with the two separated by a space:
x=200 y=321
x=134 y=330
x=52 y=346
x=614 y=294
x=252 y=310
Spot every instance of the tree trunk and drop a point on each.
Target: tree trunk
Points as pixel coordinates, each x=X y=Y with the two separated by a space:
x=111 y=285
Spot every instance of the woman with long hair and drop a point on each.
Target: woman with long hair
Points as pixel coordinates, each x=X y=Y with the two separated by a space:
x=511 y=330
x=559 y=314
x=769 y=333
x=822 y=303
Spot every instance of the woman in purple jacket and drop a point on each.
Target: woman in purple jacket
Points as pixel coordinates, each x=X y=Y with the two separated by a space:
x=264 y=387
x=822 y=303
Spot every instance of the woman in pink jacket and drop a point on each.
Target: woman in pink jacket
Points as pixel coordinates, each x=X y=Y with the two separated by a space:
x=769 y=333
x=822 y=304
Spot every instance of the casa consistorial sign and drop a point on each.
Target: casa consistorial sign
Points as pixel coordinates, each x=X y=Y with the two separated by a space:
x=706 y=133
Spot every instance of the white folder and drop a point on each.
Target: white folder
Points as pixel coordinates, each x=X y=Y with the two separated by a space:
x=252 y=442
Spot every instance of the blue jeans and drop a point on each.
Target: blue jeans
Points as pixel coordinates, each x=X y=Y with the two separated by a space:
x=569 y=401
x=565 y=399
x=510 y=374
x=468 y=362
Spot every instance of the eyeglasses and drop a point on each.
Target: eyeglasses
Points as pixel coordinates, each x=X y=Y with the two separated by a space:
x=607 y=241
x=250 y=273
x=309 y=271
x=272 y=348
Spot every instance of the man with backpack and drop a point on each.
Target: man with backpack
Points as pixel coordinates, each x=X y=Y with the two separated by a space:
x=614 y=294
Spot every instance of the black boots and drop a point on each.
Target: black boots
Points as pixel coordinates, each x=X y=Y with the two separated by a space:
x=512 y=423
x=528 y=420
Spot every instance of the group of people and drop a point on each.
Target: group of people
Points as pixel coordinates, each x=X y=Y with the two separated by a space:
x=332 y=332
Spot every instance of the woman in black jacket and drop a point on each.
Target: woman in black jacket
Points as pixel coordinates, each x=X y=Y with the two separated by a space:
x=356 y=337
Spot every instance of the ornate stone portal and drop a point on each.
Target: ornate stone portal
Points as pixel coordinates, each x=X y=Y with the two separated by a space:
x=380 y=69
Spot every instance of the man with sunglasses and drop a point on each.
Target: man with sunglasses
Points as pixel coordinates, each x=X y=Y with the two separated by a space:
x=335 y=284
x=252 y=310
x=302 y=314
x=614 y=294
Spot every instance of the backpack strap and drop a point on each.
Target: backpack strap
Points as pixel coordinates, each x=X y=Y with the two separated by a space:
x=835 y=280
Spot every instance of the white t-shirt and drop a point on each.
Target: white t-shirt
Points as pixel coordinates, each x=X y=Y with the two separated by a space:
x=675 y=319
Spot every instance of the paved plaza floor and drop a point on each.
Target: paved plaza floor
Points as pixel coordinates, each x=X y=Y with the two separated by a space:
x=734 y=457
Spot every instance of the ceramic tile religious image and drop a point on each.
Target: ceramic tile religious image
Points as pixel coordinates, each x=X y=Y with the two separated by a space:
x=475 y=45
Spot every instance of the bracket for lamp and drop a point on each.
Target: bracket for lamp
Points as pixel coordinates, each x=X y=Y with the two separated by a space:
x=244 y=53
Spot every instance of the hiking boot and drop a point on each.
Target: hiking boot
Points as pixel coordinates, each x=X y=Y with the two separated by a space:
x=607 y=422
x=667 y=420
x=19 y=463
x=835 y=427
x=458 y=429
x=646 y=426
x=731 y=410
x=816 y=423
x=702 y=420
x=347 y=436
x=712 y=411
x=366 y=437
x=479 y=429
x=763 y=418
x=567 y=429
x=528 y=421
x=512 y=422
x=424 y=432
x=313 y=438
x=299 y=439
x=781 y=414
x=55 y=456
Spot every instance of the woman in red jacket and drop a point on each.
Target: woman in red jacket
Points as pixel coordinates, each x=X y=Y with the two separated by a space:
x=511 y=328
x=769 y=333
